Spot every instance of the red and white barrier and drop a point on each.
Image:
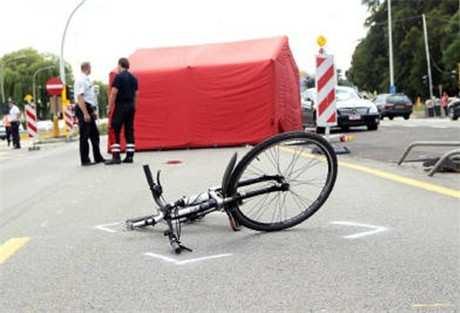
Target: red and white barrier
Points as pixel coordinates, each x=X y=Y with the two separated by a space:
x=326 y=112
x=69 y=118
x=31 y=118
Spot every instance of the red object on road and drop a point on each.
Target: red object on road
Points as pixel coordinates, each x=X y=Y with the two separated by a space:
x=54 y=86
x=215 y=95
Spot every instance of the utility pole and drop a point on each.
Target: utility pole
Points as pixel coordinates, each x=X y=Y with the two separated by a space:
x=390 y=49
x=428 y=62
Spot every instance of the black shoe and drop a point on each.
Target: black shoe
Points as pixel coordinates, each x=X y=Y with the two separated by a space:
x=100 y=160
x=87 y=163
x=128 y=160
x=113 y=162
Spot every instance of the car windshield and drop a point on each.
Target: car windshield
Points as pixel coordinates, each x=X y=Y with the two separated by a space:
x=345 y=94
x=398 y=98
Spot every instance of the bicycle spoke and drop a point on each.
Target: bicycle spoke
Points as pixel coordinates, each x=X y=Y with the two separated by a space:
x=261 y=209
x=304 y=169
x=302 y=200
x=291 y=165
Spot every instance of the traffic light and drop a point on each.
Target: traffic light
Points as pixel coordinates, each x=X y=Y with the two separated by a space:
x=69 y=93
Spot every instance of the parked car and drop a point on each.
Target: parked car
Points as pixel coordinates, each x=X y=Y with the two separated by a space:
x=394 y=105
x=352 y=110
x=453 y=109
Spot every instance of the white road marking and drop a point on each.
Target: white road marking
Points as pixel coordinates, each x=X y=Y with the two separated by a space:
x=183 y=262
x=44 y=224
x=433 y=305
x=105 y=227
x=375 y=229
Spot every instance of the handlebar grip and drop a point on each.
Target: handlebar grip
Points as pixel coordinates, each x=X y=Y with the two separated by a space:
x=148 y=175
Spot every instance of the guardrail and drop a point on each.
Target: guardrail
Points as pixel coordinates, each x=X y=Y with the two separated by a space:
x=441 y=160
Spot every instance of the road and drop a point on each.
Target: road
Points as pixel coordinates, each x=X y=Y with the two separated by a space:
x=385 y=241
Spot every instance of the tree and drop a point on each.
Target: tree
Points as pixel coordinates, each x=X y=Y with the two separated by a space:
x=102 y=98
x=18 y=70
x=369 y=67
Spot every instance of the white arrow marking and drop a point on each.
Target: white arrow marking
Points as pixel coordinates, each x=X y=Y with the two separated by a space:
x=375 y=229
x=177 y=262
x=104 y=227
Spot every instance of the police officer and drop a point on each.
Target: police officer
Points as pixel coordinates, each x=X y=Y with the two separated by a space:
x=122 y=105
x=86 y=101
x=14 y=115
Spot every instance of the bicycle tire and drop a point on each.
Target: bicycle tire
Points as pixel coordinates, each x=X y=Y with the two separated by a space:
x=298 y=138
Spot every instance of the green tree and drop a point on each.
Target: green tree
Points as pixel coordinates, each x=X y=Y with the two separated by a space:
x=102 y=98
x=18 y=70
x=369 y=68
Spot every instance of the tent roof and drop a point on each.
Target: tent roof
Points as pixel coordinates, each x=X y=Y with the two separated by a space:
x=208 y=54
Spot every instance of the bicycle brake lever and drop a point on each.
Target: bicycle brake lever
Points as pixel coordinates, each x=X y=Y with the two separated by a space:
x=158 y=177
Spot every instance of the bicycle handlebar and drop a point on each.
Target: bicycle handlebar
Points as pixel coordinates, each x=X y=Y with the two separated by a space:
x=148 y=175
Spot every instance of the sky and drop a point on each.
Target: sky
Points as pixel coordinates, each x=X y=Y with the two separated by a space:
x=101 y=31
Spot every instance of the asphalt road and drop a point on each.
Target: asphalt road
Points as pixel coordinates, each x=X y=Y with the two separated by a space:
x=385 y=241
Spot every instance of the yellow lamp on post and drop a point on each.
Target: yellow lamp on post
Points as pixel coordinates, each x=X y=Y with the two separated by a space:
x=321 y=41
x=28 y=98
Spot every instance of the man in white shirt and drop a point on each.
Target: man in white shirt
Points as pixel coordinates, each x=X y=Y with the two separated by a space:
x=14 y=115
x=86 y=102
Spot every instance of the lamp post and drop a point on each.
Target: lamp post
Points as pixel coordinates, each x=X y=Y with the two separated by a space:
x=390 y=50
x=2 y=74
x=34 y=76
x=61 y=61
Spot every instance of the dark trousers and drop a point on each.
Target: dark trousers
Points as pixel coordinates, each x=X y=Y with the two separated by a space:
x=88 y=130
x=123 y=117
x=15 y=134
x=8 y=134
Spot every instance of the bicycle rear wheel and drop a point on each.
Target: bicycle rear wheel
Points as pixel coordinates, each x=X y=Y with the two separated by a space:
x=305 y=161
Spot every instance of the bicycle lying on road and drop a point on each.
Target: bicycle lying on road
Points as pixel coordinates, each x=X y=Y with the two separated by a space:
x=278 y=184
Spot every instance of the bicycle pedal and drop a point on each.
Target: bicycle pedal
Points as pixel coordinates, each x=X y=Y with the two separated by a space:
x=185 y=248
x=234 y=225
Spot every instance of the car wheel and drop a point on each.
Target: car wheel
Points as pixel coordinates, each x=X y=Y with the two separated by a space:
x=452 y=115
x=391 y=117
x=345 y=128
x=372 y=126
x=406 y=116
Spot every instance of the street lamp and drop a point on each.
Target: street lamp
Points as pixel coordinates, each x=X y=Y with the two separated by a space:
x=34 y=76
x=61 y=61
x=2 y=74
x=390 y=50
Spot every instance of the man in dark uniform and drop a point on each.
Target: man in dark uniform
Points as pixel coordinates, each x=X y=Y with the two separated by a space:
x=122 y=106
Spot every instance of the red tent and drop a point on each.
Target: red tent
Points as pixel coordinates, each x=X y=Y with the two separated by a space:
x=215 y=94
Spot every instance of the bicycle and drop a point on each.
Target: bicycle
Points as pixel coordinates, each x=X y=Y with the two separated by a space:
x=266 y=177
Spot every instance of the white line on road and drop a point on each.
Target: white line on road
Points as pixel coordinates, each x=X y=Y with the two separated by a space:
x=105 y=227
x=177 y=262
x=44 y=224
x=375 y=229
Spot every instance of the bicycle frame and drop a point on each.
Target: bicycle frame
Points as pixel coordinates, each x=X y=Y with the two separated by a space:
x=188 y=208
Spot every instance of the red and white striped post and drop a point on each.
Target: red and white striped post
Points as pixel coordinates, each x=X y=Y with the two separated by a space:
x=31 y=120
x=69 y=119
x=326 y=112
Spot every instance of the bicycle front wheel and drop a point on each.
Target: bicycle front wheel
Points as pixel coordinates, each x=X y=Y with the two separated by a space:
x=307 y=165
